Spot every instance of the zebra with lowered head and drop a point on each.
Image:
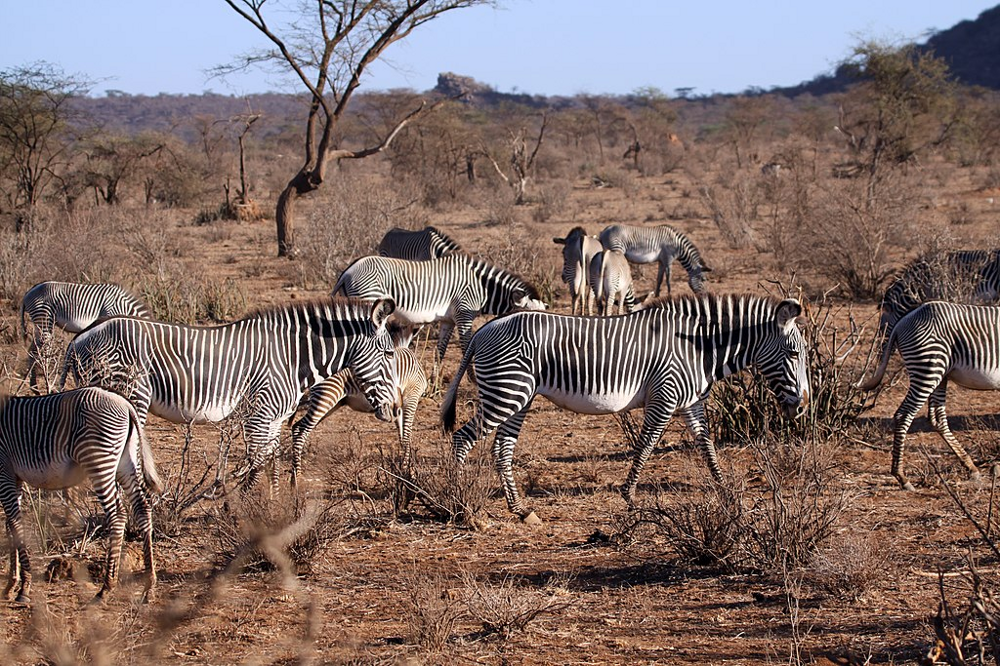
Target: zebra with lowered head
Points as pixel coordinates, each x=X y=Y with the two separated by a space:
x=940 y=342
x=452 y=290
x=663 y=358
x=428 y=243
x=73 y=307
x=661 y=244
x=258 y=367
x=56 y=441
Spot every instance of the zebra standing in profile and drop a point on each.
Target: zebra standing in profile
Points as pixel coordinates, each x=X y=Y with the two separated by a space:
x=258 y=367
x=662 y=244
x=408 y=382
x=58 y=440
x=663 y=358
x=72 y=307
x=940 y=341
x=428 y=243
x=611 y=280
x=452 y=290
x=578 y=251
x=962 y=276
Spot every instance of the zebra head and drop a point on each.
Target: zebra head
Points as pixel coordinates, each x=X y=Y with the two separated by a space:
x=782 y=359
x=371 y=359
x=524 y=299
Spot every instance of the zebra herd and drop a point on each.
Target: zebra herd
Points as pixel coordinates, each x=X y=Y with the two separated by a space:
x=662 y=355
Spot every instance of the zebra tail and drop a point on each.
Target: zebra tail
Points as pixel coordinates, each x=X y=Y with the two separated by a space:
x=152 y=477
x=448 y=407
x=883 y=364
x=68 y=362
x=24 y=326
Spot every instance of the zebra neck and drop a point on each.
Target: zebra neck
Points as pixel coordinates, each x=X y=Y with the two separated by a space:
x=687 y=254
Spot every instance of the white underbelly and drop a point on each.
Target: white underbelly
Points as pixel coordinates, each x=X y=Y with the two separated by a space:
x=423 y=315
x=643 y=256
x=983 y=379
x=596 y=403
x=203 y=414
x=63 y=475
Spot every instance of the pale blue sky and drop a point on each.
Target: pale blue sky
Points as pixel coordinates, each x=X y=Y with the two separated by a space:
x=535 y=46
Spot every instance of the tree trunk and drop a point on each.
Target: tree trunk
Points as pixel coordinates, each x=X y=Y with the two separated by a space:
x=284 y=218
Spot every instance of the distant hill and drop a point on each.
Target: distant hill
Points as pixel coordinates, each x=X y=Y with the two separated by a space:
x=971 y=49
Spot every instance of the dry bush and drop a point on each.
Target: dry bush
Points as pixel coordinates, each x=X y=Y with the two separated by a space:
x=970 y=633
x=348 y=222
x=506 y=608
x=734 y=205
x=434 y=609
x=551 y=200
x=453 y=492
x=850 y=565
x=520 y=253
x=185 y=296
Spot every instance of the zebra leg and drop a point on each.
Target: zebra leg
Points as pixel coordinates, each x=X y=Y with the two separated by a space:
x=503 y=456
x=694 y=417
x=133 y=484
x=107 y=495
x=324 y=398
x=19 y=576
x=939 y=420
x=653 y=423
x=444 y=337
x=920 y=390
x=263 y=446
x=659 y=280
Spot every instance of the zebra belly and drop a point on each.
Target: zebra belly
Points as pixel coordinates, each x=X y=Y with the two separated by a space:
x=59 y=475
x=424 y=315
x=596 y=403
x=641 y=255
x=201 y=414
x=983 y=379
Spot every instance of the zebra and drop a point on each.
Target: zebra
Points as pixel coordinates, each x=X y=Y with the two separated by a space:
x=408 y=382
x=428 y=243
x=663 y=358
x=72 y=307
x=578 y=250
x=58 y=440
x=258 y=367
x=966 y=276
x=662 y=244
x=452 y=290
x=940 y=341
x=611 y=280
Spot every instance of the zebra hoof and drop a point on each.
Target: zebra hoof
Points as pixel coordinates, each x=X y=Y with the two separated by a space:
x=909 y=487
x=22 y=599
x=531 y=519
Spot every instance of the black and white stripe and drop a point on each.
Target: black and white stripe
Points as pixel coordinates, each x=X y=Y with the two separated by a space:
x=453 y=290
x=428 y=243
x=662 y=244
x=611 y=281
x=259 y=366
x=663 y=358
x=72 y=307
x=939 y=342
x=57 y=441
x=578 y=251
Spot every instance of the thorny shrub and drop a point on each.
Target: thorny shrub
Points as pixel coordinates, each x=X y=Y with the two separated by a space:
x=453 y=492
x=507 y=607
x=850 y=565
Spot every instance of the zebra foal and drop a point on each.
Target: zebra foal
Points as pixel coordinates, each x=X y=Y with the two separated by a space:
x=56 y=441
x=428 y=243
x=72 y=307
x=259 y=366
x=663 y=358
x=940 y=342
x=408 y=386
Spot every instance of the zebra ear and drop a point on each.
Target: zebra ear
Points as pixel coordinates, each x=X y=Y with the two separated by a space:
x=381 y=310
x=787 y=311
x=705 y=269
x=559 y=241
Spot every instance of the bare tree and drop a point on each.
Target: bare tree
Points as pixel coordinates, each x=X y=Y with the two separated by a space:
x=522 y=161
x=327 y=45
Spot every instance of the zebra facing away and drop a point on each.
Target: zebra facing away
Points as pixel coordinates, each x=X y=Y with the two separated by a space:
x=72 y=307
x=56 y=441
x=578 y=251
x=452 y=290
x=661 y=244
x=939 y=342
x=409 y=384
x=428 y=243
x=663 y=358
x=611 y=280
x=257 y=368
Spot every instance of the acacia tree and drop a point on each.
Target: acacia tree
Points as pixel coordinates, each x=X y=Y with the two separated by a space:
x=327 y=46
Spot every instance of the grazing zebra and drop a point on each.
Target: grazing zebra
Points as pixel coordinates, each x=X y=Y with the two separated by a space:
x=663 y=358
x=963 y=276
x=258 y=367
x=644 y=245
x=940 y=341
x=611 y=280
x=428 y=243
x=578 y=250
x=72 y=307
x=452 y=290
x=408 y=382
x=56 y=441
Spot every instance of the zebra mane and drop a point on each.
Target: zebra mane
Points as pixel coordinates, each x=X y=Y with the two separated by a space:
x=576 y=231
x=450 y=242
x=353 y=307
x=706 y=303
